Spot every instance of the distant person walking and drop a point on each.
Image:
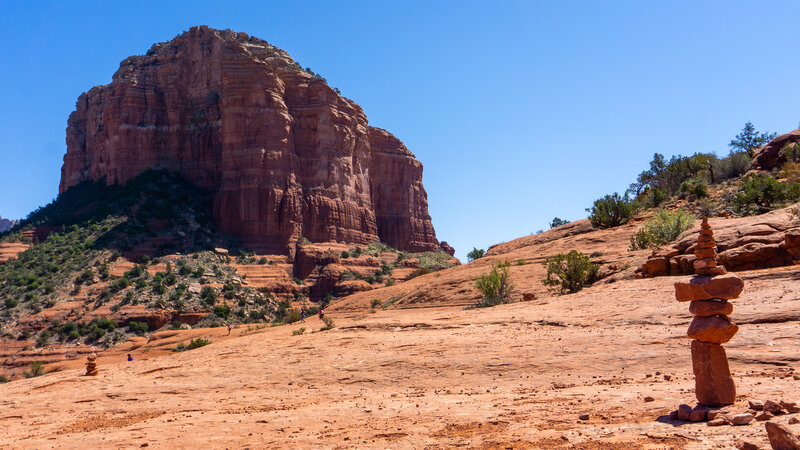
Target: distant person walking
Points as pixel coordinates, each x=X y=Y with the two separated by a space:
x=229 y=330
x=130 y=358
x=303 y=315
x=321 y=314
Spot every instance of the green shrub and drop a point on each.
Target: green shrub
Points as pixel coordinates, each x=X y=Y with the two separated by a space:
x=475 y=253
x=298 y=331
x=570 y=272
x=37 y=369
x=11 y=303
x=759 y=193
x=292 y=316
x=328 y=323
x=4 y=379
x=610 y=211
x=375 y=303
x=344 y=255
x=694 y=187
x=663 y=227
x=495 y=287
x=193 y=344
x=557 y=222
x=418 y=272
x=222 y=311
x=138 y=328
x=435 y=260
x=208 y=295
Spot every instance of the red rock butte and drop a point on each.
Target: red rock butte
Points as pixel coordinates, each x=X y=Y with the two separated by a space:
x=283 y=154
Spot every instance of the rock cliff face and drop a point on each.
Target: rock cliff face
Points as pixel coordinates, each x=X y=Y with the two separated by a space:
x=769 y=156
x=6 y=224
x=283 y=153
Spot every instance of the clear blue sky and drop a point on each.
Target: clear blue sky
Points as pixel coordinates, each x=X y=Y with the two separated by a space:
x=519 y=111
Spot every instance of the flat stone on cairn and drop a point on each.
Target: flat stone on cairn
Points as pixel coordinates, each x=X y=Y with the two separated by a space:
x=708 y=293
x=91 y=366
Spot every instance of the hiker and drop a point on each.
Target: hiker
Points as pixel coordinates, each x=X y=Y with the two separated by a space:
x=321 y=314
x=303 y=315
x=229 y=330
x=130 y=358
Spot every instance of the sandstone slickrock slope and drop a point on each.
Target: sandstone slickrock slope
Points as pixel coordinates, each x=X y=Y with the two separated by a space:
x=282 y=152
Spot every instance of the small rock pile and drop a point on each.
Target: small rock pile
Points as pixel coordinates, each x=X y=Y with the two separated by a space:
x=91 y=365
x=709 y=291
x=758 y=410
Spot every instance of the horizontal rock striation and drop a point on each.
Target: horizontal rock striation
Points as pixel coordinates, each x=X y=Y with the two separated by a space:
x=282 y=152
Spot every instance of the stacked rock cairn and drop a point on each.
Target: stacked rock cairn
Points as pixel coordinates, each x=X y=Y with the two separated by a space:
x=91 y=365
x=709 y=291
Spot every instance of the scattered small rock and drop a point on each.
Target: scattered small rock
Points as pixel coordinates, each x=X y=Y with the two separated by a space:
x=673 y=415
x=744 y=445
x=757 y=405
x=789 y=406
x=649 y=399
x=772 y=407
x=684 y=411
x=796 y=376
x=742 y=419
x=716 y=422
x=698 y=414
x=794 y=420
x=766 y=415
x=780 y=438
x=584 y=416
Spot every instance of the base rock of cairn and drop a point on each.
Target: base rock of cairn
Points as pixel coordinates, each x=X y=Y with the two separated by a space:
x=709 y=293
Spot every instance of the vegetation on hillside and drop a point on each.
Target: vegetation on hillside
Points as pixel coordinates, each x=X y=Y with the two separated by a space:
x=665 y=226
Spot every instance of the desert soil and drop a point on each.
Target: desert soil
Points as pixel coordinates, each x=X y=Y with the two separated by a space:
x=512 y=376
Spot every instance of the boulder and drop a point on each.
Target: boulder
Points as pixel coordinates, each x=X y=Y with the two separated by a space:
x=781 y=438
x=713 y=382
x=707 y=308
x=742 y=419
x=714 y=329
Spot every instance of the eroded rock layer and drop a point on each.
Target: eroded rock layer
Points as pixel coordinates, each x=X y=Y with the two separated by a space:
x=284 y=154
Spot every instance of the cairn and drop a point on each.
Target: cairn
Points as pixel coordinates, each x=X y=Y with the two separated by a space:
x=91 y=365
x=709 y=291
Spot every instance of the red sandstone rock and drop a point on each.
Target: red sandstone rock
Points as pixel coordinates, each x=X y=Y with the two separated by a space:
x=282 y=152
x=714 y=329
x=707 y=308
x=713 y=383
x=705 y=288
x=781 y=438
x=754 y=242
x=769 y=156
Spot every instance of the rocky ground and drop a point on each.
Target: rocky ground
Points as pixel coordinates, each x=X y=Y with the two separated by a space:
x=518 y=375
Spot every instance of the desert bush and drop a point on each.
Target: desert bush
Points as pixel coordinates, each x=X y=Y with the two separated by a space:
x=475 y=253
x=695 y=187
x=557 y=222
x=138 y=328
x=376 y=303
x=665 y=226
x=11 y=303
x=193 y=344
x=418 y=272
x=37 y=369
x=570 y=272
x=292 y=316
x=329 y=325
x=495 y=287
x=610 y=211
x=222 y=311
x=4 y=379
x=759 y=193
x=298 y=331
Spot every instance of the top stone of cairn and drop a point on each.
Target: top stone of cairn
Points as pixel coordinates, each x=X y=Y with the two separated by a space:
x=706 y=252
